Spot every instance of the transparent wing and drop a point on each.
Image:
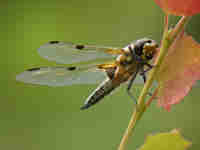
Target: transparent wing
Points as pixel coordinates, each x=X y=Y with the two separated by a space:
x=61 y=76
x=68 y=53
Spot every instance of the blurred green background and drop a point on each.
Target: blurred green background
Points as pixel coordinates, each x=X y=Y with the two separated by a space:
x=36 y=117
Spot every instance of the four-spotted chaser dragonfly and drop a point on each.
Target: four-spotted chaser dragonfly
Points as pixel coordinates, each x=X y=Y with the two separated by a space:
x=92 y=63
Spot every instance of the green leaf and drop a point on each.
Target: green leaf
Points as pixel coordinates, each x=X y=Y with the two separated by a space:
x=166 y=141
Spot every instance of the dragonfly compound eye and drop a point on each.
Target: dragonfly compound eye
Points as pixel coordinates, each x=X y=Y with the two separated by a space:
x=142 y=45
x=149 y=49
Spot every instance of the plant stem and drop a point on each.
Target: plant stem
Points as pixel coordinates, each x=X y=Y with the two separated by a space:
x=179 y=27
x=167 y=41
x=151 y=99
x=141 y=105
x=129 y=131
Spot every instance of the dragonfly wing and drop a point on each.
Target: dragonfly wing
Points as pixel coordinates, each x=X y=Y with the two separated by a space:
x=68 y=53
x=61 y=76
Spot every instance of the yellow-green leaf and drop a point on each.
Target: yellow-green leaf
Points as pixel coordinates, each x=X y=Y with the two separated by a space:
x=166 y=141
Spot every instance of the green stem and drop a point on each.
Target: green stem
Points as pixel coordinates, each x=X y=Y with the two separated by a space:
x=167 y=41
x=179 y=27
x=141 y=105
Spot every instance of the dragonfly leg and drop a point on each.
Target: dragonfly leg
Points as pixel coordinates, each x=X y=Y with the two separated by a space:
x=143 y=74
x=129 y=87
x=149 y=67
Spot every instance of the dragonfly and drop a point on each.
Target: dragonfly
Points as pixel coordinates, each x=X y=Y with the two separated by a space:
x=92 y=64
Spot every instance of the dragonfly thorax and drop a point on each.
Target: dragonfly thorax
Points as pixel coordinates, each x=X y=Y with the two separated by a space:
x=142 y=50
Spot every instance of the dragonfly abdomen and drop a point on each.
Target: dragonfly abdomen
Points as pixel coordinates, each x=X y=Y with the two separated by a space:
x=105 y=88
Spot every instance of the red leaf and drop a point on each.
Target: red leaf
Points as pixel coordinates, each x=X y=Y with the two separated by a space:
x=179 y=71
x=180 y=7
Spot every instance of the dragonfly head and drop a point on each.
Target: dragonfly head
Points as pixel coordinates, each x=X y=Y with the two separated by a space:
x=145 y=48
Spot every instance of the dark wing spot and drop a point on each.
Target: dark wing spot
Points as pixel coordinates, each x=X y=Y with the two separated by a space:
x=53 y=42
x=79 y=47
x=33 y=69
x=71 y=68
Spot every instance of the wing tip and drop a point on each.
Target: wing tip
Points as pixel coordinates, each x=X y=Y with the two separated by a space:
x=50 y=43
x=20 y=77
